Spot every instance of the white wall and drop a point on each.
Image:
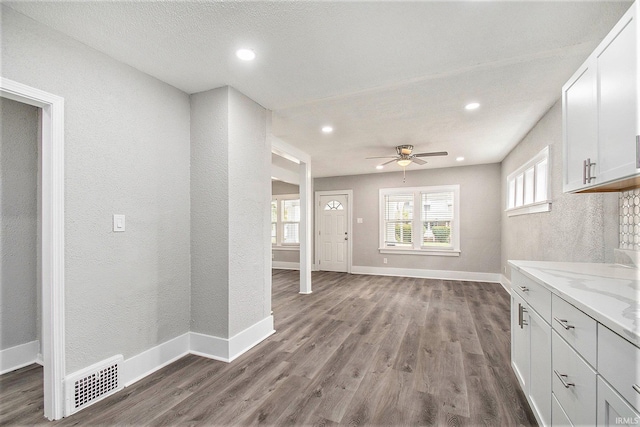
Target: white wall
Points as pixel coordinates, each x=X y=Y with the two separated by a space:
x=479 y=216
x=18 y=223
x=126 y=152
x=579 y=227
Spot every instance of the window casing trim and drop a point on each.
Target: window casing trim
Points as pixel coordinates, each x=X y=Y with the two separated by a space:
x=417 y=248
x=535 y=206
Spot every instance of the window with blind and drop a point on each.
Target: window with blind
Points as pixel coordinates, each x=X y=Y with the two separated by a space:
x=424 y=220
x=528 y=186
x=285 y=220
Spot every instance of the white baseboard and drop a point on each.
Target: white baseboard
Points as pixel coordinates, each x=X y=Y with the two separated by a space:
x=149 y=361
x=285 y=265
x=506 y=283
x=19 y=356
x=427 y=274
x=228 y=349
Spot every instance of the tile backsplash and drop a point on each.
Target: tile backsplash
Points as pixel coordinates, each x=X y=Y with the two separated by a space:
x=630 y=220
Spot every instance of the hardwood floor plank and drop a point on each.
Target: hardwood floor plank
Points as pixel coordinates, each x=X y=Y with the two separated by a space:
x=360 y=350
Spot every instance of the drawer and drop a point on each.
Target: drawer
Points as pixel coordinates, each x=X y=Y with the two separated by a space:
x=619 y=364
x=573 y=383
x=578 y=329
x=558 y=416
x=537 y=296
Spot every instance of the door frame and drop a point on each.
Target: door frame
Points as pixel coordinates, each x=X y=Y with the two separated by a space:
x=349 y=194
x=52 y=245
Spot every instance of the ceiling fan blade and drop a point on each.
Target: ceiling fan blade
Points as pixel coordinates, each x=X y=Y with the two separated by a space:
x=390 y=161
x=418 y=161
x=433 y=154
x=382 y=157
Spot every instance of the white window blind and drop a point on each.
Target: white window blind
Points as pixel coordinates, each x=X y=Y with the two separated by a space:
x=437 y=219
x=398 y=216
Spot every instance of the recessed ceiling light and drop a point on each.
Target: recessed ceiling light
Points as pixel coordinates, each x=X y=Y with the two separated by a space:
x=327 y=129
x=246 y=54
x=379 y=167
x=459 y=159
x=472 y=106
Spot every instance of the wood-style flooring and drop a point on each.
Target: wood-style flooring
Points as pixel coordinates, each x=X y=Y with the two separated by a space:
x=360 y=350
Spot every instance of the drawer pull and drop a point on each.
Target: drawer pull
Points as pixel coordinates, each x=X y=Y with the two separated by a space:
x=524 y=288
x=564 y=323
x=561 y=377
x=636 y=387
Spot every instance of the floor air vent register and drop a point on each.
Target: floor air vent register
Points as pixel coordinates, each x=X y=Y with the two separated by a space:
x=93 y=384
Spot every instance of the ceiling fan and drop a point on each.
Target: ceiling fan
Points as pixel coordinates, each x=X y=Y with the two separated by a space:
x=405 y=157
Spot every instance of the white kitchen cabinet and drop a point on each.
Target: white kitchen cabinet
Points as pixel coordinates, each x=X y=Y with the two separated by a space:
x=520 y=342
x=601 y=114
x=580 y=117
x=612 y=409
x=616 y=63
x=531 y=344
x=595 y=346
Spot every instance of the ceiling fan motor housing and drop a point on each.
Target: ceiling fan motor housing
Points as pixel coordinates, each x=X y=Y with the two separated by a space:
x=404 y=150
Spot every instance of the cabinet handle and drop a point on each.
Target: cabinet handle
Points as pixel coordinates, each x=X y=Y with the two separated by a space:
x=589 y=177
x=564 y=323
x=561 y=377
x=521 y=311
x=584 y=172
x=636 y=387
x=524 y=288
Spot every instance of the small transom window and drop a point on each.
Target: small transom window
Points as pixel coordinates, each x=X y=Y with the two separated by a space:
x=333 y=205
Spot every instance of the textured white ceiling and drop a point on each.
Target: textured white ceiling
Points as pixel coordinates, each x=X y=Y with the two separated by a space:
x=383 y=73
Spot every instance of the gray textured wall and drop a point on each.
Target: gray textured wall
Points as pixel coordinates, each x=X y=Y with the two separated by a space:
x=210 y=199
x=230 y=194
x=18 y=223
x=579 y=228
x=280 y=187
x=479 y=216
x=249 y=210
x=126 y=152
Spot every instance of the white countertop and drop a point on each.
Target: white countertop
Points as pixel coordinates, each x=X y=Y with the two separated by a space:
x=610 y=293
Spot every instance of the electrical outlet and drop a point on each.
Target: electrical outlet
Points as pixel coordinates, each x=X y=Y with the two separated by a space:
x=384 y=260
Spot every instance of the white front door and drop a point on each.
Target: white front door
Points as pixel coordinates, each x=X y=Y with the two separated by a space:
x=334 y=240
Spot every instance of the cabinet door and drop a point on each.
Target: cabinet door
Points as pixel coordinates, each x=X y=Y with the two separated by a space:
x=540 y=365
x=617 y=100
x=580 y=129
x=520 y=340
x=612 y=409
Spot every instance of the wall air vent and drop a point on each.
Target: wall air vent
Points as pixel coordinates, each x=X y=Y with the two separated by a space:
x=92 y=384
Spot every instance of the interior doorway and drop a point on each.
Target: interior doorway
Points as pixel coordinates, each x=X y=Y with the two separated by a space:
x=51 y=246
x=20 y=305
x=333 y=230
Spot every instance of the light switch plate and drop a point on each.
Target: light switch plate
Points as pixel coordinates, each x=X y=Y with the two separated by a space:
x=359 y=220
x=118 y=222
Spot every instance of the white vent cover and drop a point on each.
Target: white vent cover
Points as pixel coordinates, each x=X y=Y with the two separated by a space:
x=92 y=384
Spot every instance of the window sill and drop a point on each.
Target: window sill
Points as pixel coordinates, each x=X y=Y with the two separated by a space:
x=429 y=252
x=530 y=209
x=285 y=248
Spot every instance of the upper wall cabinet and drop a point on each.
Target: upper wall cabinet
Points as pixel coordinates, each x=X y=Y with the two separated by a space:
x=600 y=114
